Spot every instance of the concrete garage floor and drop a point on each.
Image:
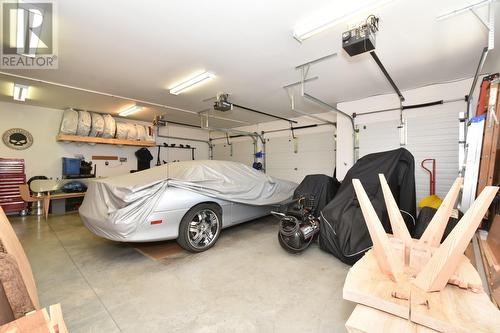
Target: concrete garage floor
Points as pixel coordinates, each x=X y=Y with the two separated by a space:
x=246 y=283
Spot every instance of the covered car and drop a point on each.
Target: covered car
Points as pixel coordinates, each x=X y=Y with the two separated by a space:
x=343 y=230
x=190 y=201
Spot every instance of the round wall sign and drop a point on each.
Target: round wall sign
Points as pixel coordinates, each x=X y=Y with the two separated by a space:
x=17 y=138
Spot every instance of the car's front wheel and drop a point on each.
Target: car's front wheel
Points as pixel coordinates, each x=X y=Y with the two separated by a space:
x=200 y=227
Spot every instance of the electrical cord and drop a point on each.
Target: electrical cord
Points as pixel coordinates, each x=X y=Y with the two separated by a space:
x=289 y=226
x=372 y=23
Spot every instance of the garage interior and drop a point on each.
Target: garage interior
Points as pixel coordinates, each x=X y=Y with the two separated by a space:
x=229 y=166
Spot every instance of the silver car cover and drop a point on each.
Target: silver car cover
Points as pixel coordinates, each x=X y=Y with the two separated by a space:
x=127 y=200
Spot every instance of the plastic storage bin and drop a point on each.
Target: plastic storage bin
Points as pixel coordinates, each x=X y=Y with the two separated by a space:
x=71 y=166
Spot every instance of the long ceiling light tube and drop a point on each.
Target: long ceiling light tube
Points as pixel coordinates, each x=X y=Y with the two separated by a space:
x=130 y=110
x=464 y=9
x=20 y=92
x=305 y=32
x=191 y=83
x=140 y=101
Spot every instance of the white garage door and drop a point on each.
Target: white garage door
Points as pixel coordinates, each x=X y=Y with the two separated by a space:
x=431 y=133
x=315 y=155
x=242 y=151
x=435 y=137
x=377 y=137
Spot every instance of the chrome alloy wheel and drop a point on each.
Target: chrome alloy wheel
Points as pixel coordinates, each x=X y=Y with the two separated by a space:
x=203 y=229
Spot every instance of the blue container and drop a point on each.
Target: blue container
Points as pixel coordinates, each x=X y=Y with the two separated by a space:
x=71 y=166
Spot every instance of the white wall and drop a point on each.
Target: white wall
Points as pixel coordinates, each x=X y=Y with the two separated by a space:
x=432 y=132
x=44 y=157
x=172 y=154
x=315 y=148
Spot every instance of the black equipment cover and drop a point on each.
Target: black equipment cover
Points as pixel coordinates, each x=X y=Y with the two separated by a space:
x=425 y=216
x=343 y=230
x=319 y=188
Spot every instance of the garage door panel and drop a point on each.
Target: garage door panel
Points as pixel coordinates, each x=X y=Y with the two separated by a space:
x=435 y=137
x=378 y=137
x=315 y=154
x=305 y=158
x=242 y=151
x=427 y=137
x=279 y=145
x=313 y=142
x=281 y=160
x=295 y=175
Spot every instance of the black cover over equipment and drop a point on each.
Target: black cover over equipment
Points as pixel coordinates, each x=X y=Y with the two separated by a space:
x=321 y=189
x=343 y=230
x=424 y=218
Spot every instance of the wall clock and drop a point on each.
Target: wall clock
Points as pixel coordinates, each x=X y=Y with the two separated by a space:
x=17 y=138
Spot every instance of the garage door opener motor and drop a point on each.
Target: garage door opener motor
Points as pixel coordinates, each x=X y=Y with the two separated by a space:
x=298 y=227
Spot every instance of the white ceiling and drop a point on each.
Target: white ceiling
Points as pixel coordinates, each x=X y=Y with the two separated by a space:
x=139 y=49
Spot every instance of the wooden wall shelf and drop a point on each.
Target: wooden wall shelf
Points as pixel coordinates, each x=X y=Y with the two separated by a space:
x=88 y=139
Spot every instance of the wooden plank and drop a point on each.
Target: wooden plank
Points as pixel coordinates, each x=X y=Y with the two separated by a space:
x=398 y=224
x=419 y=257
x=66 y=195
x=381 y=245
x=13 y=247
x=490 y=141
x=399 y=253
x=49 y=196
x=494 y=167
x=496 y=172
x=454 y=310
x=366 y=284
x=492 y=259
x=75 y=138
x=104 y=158
x=493 y=238
x=492 y=271
x=365 y=319
x=49 y=185
x=469 y=253
x=56 y=318
x=160 y=250
x=435 y=230
x=466 y=276
x=35 y=322
x=444 y=261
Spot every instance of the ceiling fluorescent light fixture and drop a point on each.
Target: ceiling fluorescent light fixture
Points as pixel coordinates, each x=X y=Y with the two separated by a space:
x=130 y=110
x=462 y=9
x=320 y=24
x=191 y=82
x=20 y=92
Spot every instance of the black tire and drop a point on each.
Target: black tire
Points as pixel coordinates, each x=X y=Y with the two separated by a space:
x=212 y=215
